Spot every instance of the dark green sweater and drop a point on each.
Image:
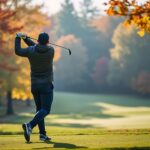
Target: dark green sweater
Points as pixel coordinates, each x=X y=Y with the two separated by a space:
x=40 y=58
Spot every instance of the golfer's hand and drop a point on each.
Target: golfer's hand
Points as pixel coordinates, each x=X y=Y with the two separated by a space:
x=21 y=35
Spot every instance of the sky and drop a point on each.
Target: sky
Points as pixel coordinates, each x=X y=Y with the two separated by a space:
x=53 y=6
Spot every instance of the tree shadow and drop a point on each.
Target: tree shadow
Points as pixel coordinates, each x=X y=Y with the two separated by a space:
x=86 y=110
x=61 y=145
x=15 y=119
x=10 y=133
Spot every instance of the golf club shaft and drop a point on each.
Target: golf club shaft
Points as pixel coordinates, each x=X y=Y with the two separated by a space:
x=54 y=45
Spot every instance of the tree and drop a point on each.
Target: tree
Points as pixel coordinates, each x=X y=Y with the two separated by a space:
x=6 y=15
x=130 y=57
x=71 y=22
x=96 y=41
x=101 y=70
x=70 y=71
x=88 y=11
x=135 y=13
x=142 y=83
x=68 y=19
x=14 y=70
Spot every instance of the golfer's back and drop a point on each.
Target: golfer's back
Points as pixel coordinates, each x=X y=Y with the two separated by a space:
x=41 y=62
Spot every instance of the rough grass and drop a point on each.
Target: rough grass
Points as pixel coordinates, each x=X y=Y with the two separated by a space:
x=84 y=121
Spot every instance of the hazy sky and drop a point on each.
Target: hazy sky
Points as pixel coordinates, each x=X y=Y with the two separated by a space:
x=53 y=6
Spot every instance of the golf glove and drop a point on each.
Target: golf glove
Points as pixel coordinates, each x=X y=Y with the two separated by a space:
x=21 y=35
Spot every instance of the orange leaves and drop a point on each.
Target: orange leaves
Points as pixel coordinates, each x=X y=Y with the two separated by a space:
x=135 y=13
x=63 y=40
x=6 y=14
x=6 y=67
x=117 y=7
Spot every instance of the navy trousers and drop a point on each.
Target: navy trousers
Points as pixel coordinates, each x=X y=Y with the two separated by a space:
x=43 y=97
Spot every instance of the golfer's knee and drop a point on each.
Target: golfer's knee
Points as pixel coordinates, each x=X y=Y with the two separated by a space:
x=45 y=112
x=48 y=111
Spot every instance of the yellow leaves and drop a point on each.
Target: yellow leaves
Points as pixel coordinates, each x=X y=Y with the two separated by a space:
x=117 y=7
x=136 y=14
x=127 y=23
x=110 y=11
x=141 y=33
x=20 y=94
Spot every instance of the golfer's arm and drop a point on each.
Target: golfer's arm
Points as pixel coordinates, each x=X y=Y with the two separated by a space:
x=29 y=42
x=20 y=51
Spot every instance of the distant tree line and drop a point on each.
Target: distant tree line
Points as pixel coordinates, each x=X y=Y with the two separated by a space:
x=112 y=59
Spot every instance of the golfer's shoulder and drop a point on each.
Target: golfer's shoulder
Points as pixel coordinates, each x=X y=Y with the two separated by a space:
x=51 y=49
x=31 y=49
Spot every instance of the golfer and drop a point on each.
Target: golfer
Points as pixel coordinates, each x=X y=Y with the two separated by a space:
x=40 y=57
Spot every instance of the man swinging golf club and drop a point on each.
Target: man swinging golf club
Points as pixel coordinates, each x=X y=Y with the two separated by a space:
x=40 y=57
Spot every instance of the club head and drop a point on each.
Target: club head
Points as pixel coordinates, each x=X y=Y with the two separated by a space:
x=69 y=51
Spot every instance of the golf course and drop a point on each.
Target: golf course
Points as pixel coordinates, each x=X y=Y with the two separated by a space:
x=83 y=121
x=75 y=74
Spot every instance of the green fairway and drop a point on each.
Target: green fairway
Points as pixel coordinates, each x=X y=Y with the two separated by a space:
x=83 y=110
x=84 y=121
x=73 y=138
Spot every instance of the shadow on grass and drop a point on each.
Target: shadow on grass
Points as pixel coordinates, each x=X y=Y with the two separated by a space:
x=10 y=133
x=86 y=110
x=87 y=115
x=20 y=118
x=15 y=119
x=13 y=133
x=132 y=148
x=70 y=125
x=61 y=145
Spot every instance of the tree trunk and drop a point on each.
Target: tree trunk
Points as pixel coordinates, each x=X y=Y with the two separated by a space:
x=28 y=102
x=0 y=101
x=10 y=110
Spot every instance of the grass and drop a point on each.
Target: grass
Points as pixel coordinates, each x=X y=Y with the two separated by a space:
x=75 y=138
x=85 y=121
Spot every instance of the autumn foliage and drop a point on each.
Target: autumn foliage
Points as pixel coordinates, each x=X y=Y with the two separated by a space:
x=101 y=71
x=135 y=13
x=142 y=83
x=6 y=16
x=16 y=16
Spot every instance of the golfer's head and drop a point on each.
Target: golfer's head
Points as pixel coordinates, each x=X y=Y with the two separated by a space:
x=43 y=38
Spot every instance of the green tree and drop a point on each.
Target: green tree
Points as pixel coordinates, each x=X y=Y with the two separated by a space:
x=88 y=11
x=68 y=19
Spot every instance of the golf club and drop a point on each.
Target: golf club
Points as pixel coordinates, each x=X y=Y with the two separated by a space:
x=54 y=45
